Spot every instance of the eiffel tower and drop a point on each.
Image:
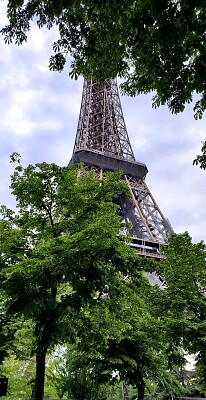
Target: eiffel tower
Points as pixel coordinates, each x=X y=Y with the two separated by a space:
x=102 y=143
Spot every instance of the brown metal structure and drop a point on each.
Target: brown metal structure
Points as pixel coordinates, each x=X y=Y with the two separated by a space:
x=102 y=143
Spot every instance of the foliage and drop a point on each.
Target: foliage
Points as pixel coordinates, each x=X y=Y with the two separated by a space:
x=72 y=381
x=136 y=336
x=125 y=335
x=113 y=335
x=61 y=251
x=70 y=277
x=7 y=330
x=167 y=388
x=201 y=159
x=19 y=373
x=184 y=273
x=144 y=337
x=155 y=45
x=184 y=297
x=9 y=325
x=19 y=365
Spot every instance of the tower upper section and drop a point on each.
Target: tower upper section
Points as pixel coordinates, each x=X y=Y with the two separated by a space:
x=102 y=137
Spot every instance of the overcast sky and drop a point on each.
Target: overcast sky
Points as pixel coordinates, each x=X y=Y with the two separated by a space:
x=39 y=113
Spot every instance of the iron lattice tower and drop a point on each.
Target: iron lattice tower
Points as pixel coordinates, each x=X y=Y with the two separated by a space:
x=102 y=143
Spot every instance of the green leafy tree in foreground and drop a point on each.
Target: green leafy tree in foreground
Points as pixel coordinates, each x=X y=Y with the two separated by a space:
x=61 y=251
x=73 y=381
x=155 y=45
x=123 y=338
x=184 y=272
x=139 y=353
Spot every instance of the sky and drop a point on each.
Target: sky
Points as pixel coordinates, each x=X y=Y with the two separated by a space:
x=39 y=112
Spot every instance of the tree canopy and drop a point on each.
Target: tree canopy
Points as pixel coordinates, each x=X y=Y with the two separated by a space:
x=68 y=276
x=154 y=45
x=184 y=298
x=61 y=250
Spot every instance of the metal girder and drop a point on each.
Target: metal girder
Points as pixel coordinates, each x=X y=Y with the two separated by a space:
x=101 y=126
x=144 y=213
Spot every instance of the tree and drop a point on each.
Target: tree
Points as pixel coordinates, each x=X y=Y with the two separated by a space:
x=155 y=45
x=72 y=380
x=125 y=335
x=62 y=250
x=184 y=273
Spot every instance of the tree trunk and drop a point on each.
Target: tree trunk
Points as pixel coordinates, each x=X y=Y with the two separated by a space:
x=40 y=375
x=140 y=388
